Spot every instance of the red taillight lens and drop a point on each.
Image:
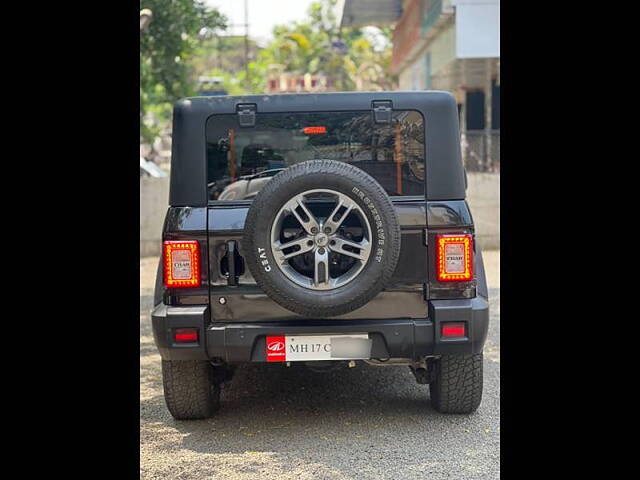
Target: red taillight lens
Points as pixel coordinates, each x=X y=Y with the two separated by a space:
x=454 y=258
x=181 y=264
x=453 y=330
x=185 y=335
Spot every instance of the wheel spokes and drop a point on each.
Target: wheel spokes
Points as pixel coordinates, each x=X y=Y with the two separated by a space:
x=311 y=222
x=321 y=269
x=332 y=224
x=304 y=256
x=303 y=243
x=338 y=244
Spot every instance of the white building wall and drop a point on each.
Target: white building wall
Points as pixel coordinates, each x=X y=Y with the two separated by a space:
x=414 y=77
x=443 y=48
x=483 y=197
x=154 y=202
x=404 y=79
x=477 y=28
x=442 y=51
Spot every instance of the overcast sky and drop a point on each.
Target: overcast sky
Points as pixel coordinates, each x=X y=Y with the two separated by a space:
x=263 y=15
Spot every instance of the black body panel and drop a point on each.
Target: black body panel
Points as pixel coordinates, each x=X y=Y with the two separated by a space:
x=445 y=173
x=213 y=227
x=404 y=298
x=403 y=320
x=392 y=337
x=187 y=223
x=234 y=316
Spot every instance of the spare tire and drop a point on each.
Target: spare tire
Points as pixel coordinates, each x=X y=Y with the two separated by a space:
x=322 y=238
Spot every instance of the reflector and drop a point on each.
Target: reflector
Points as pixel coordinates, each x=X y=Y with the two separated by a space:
x=453 y=330
x=186 y=335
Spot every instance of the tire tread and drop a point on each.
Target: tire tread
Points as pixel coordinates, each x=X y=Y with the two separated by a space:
x=457 y=386
x=188 y=390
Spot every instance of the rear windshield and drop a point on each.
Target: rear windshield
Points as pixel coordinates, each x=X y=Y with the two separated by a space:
x=241 y=160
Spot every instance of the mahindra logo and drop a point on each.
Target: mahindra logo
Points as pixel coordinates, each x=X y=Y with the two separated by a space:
x=275 y=346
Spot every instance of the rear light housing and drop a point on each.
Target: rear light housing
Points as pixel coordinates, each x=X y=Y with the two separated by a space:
x=185 y=335
x=454 y=258
x=181 y=264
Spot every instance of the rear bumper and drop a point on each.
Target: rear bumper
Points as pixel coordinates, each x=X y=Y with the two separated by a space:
x=392 y=338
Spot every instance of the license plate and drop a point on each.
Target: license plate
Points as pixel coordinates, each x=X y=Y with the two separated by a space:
x=299 y=348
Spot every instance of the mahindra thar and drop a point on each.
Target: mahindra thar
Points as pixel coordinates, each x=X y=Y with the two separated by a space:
x=319 y=228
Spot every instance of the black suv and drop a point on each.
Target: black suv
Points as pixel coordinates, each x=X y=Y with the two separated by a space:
x=351 y=241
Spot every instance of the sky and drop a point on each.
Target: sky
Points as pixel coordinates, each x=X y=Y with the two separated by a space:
x=263 y=15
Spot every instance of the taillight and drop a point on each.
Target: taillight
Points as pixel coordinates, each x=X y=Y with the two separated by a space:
x=181 y=264
x=454 y=257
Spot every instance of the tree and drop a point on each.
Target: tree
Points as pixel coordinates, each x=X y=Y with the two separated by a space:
x=165 y=50
x=224 y=53
x=349 y=57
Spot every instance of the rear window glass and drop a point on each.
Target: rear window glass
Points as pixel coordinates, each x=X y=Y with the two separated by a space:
x=240 y=161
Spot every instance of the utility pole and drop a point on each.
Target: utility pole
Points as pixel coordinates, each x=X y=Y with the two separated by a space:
x=463 y=113
x=246 y=44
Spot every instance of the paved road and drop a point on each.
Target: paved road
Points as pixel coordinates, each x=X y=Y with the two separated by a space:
x=290 y=423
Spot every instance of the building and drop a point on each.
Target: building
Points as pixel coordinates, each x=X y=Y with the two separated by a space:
x=296 y=83
x=451 y=45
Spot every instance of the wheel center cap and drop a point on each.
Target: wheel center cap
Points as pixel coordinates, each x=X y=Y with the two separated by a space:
x=321 y=240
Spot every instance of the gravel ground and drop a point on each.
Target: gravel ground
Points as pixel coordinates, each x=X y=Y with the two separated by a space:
x=290 y=423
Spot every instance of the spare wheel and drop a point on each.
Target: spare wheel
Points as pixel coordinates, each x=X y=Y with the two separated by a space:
x=322 y=238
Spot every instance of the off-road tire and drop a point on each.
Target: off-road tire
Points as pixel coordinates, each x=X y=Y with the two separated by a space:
x=189 y=391
x=359 y=187
x=457 y=383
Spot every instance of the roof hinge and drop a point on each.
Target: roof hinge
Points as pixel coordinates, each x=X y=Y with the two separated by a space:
x=246 y=114
x=382 y=111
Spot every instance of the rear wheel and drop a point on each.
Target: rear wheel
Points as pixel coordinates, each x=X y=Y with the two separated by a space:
x=457 y=384
x=189 y=389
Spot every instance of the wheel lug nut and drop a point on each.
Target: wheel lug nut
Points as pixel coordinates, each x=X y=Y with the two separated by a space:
x=310 y=242
x=314 y=230
x=321 y=251
x=327 y=230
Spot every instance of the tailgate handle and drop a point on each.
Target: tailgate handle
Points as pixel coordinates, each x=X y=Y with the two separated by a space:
x=233 y=278
x=232 y=263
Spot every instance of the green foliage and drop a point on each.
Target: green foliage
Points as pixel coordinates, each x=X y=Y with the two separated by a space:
x=350 y=58
x=165 y=50
x=347 y=56
x=226 y=53
x=173 y=55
